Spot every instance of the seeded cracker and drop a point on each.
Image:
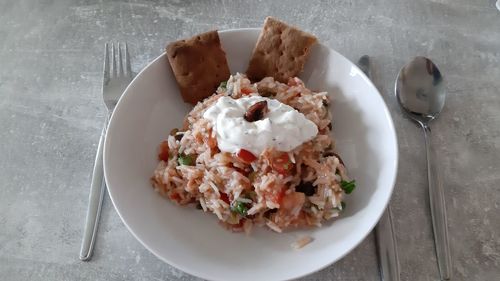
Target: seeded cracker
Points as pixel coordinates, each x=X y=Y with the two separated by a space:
x=281 y=51
x=199 y=65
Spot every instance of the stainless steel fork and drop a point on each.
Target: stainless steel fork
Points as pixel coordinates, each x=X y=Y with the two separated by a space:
x=385 y=238
x=117 y=75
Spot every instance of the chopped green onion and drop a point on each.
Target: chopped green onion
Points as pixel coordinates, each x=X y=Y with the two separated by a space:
x=240 y=208
x=348 y=186
x=187 y=160
x=223 y=85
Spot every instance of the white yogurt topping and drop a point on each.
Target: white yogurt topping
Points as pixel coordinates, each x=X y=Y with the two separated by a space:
x=282 y=128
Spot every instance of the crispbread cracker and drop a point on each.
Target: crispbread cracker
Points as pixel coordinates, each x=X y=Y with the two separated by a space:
x=281 y=51
x=199 y=65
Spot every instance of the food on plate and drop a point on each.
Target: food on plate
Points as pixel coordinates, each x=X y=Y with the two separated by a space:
x=257 y=123
x=252 y=153
x=300 y=243
x=199 y=65
x=256 y=154
x=281 y=51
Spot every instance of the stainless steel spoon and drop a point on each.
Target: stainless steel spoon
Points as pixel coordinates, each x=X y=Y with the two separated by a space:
x=420 y=92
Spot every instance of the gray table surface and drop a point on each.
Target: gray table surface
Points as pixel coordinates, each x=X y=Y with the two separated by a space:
x=51 y=113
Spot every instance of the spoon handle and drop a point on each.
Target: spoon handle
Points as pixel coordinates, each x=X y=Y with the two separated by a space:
x=438 y=210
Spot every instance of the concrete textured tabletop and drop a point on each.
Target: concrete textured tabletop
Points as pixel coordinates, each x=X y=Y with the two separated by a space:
x=51 y=114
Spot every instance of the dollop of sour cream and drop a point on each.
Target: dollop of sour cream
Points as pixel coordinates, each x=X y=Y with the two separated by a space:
x=282 y=128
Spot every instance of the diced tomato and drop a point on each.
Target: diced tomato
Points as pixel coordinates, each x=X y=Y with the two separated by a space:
x=246 y=156
x=278 y=197
x=175 y=196
x=282 y=164
x=246 y=91
x=292 y=200
x=163 y=151
x=224 y=197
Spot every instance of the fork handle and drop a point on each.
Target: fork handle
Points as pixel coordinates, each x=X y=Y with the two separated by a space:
x=97 y=189
x=387 y=249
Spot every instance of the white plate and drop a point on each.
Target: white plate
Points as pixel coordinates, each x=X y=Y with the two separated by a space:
x=193 y=241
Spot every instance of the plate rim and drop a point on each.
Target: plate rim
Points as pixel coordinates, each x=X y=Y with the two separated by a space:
x=192 y=270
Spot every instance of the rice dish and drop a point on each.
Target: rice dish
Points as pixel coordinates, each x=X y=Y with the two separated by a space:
x=297 y=186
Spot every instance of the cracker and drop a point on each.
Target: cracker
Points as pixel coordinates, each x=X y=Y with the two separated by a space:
x=281 y=51
x=199 y=65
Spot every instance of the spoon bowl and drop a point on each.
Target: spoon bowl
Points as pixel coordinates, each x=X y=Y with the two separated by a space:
x=420 y=90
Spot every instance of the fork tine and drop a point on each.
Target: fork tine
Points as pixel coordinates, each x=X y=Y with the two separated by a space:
x=120 y=61
x=106 y=61
x=128 y=68
x=113 y=60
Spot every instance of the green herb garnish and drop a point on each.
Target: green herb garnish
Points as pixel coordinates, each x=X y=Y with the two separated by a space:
x=348 y=186
x=240 y=208
x=187 y=160
x=223 y=85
